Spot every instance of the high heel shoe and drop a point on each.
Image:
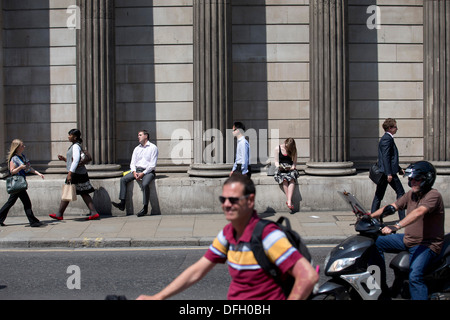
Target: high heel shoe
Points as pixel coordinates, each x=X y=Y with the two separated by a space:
x=95 y=216
x=54 y=216
x=291 y=207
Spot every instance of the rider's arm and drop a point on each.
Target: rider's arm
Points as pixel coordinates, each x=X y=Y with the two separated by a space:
x=305 y=279
x=413 y=216
x=187 y=278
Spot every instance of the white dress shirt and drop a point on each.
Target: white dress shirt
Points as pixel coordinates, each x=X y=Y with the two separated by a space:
x=242 y=155
x=144 y=156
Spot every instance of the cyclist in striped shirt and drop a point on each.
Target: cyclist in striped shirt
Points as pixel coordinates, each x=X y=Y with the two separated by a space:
x=232 y=245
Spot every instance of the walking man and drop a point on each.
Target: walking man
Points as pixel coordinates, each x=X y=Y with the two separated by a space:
x=242 y=160
x=389 y=164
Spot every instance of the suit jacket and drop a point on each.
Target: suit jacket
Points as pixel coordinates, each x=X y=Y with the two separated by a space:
x=388 y=155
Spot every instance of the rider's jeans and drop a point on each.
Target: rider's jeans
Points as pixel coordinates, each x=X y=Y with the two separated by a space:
x=419 y=258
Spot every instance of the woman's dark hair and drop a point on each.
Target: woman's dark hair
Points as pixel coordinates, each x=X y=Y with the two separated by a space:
x=77 y=134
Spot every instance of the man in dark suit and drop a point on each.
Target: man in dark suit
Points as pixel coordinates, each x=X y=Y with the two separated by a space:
x=389 y=165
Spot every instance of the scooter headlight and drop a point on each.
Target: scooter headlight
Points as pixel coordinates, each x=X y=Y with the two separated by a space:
x=341 y=264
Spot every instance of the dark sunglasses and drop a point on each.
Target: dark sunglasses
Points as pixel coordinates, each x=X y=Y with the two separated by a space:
x=233 y=200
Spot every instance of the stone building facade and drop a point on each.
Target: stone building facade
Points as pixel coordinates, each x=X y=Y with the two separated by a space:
x=325 y=72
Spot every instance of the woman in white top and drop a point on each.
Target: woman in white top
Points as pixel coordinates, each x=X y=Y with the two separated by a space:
x=77 y=175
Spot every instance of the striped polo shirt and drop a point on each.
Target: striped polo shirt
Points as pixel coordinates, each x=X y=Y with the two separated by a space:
x=248 y=280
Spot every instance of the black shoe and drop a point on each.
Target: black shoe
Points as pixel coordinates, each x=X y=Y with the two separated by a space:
x=2 y=224
x=36 y=224
x=120 y=205
x=142 y=213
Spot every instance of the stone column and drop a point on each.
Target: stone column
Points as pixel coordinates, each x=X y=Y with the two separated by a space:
x=212 y=87
x=436 y=28
x=96 y=83
x=328 y=89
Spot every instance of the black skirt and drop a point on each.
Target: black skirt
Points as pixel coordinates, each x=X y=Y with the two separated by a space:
x=82 y=183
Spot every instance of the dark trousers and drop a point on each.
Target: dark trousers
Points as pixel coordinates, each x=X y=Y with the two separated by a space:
x=146 y=180
x=23 y=195
x=396 y=184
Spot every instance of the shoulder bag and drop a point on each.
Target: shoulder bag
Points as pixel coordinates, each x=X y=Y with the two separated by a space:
x=16 y=184
x=375 y=174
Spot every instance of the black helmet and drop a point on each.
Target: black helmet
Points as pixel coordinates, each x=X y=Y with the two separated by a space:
x=422 y=170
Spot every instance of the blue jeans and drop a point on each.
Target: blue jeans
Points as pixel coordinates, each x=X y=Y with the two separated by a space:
x=419 y=257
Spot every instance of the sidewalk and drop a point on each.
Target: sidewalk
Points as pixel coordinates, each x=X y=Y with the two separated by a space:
x=162 y=230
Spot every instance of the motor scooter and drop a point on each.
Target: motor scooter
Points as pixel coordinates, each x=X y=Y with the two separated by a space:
x=354 y=278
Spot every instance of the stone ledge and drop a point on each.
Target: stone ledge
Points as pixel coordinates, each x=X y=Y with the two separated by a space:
x=178 y=193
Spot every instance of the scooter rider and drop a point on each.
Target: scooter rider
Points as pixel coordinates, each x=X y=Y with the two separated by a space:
x=424 y=226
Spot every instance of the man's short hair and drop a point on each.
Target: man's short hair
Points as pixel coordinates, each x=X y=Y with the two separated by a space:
x=249 y=186
x=145 y=132
x=389 y=123
x=239 y=125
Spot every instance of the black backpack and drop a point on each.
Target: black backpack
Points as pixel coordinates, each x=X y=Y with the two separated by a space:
x=262 y=259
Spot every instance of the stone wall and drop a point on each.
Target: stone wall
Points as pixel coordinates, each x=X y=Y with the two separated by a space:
x=154 y=74
x=386 y=74
x=39 y=75
x=271 y=69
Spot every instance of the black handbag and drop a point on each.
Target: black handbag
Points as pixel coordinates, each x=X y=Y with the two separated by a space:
x=16 y=183
x=375 y=174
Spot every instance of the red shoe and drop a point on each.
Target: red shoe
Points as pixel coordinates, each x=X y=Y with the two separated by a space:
x=53 y=216
x=95 y=216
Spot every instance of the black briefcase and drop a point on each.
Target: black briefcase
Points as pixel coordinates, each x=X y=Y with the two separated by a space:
x=375 y=174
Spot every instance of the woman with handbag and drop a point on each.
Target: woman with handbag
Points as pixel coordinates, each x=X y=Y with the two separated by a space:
x=19 y=166
x=77 y=176
x=285 y=160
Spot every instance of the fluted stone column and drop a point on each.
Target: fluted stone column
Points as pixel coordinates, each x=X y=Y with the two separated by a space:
x=212 y=87
x=96 y=84
x=436 y=26
x=328 y=89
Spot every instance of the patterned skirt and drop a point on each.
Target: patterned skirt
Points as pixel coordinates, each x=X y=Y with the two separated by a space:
x=82 y=183
x=288 y=175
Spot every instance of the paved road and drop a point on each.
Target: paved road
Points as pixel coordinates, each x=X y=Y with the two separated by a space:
x=44 y=274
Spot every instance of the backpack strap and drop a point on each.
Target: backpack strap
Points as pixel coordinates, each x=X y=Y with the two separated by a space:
x=258 y=249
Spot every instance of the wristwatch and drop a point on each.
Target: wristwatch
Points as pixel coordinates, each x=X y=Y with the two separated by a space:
x=398 y=225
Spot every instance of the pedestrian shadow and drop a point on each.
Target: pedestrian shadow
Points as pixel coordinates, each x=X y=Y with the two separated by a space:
x=102 y=202
x=296 y=197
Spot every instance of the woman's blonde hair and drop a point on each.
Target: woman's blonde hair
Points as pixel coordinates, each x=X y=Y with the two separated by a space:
x=13 y=148
x=291 y=148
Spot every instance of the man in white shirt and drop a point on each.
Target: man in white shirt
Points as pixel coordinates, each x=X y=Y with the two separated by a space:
x=142 y=165
x=242 y=161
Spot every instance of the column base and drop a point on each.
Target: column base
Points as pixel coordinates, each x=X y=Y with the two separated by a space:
x=442 y=167
x=95 y=171
x=330 y=168
x=210 y=170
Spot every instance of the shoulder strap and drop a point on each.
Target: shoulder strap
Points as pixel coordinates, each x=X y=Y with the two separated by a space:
x=258 y=249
